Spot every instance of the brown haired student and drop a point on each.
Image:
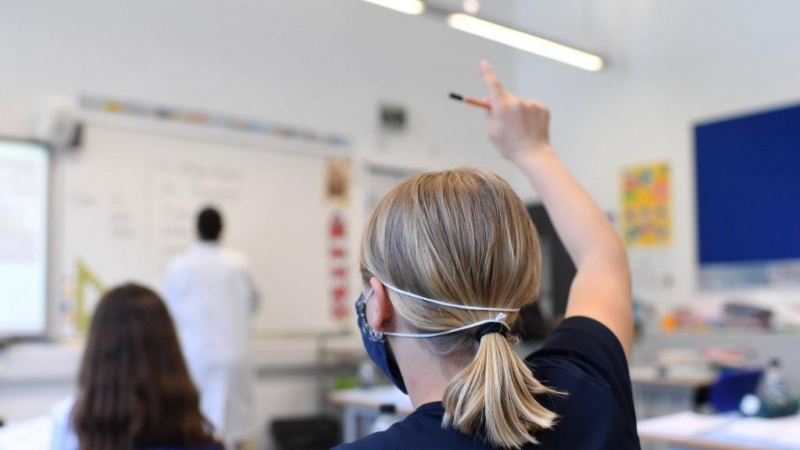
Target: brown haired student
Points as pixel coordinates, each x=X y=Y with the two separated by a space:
x=134 y=389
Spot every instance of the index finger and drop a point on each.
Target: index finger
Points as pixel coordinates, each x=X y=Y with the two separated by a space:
x=496 y=91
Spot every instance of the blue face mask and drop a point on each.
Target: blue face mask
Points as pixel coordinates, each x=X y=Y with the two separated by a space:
x=377 y=347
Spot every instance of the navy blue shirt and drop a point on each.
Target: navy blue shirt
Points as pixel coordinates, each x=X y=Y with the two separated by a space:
x=178 y=447
x=581 y=357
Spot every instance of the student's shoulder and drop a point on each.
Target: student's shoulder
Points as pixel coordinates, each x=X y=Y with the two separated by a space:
x=581 y=347
x=63 y=436
x=210 y=446
x=63 y=408
x=582 y=341
x=584 y=358
x=383 y=440
x=420 y=428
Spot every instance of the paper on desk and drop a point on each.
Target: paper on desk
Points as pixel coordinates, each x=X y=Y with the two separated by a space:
x=34 y=434
x=683 y=425
x=783 y=432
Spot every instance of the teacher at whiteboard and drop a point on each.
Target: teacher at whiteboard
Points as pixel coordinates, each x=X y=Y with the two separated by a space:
x=211 y=296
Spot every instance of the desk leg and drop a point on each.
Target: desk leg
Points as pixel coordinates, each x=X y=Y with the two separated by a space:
x=351 y=417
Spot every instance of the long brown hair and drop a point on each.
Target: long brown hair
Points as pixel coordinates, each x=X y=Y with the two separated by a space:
x=463 y=236
x=134 y=389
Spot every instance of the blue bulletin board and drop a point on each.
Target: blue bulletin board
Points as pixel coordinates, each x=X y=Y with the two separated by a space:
x=748 y=199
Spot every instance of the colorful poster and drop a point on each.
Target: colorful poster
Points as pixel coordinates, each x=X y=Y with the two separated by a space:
x=340 y=309
x=337 y=182
x=646 y=206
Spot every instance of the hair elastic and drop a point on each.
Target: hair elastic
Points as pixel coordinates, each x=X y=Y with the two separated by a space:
x=489 y=328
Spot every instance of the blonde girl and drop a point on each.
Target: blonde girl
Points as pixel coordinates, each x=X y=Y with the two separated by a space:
x=449 y=258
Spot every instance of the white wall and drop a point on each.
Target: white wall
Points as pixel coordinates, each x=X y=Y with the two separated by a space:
x=321 y=63
x=671 y=63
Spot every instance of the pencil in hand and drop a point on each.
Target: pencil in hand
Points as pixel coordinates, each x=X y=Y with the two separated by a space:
x=470 y=101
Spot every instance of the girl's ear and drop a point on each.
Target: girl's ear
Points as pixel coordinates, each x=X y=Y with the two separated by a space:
x=379 y=311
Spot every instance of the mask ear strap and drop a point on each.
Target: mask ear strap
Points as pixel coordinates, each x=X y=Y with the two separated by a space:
x=497 y=320
x=447 y=304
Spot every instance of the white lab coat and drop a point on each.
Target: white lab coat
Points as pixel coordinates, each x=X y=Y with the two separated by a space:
x=211 y=296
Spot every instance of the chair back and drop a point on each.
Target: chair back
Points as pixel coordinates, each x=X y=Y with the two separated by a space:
x=732 y=385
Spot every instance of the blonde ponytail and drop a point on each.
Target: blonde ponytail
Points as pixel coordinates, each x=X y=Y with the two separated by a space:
x=494 y=394
x=464 y=237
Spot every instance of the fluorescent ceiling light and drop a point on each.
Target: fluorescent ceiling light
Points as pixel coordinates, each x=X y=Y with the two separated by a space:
x=404 y=6
x=525 y=41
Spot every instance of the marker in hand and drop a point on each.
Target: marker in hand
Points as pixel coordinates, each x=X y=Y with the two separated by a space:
x=470 y=101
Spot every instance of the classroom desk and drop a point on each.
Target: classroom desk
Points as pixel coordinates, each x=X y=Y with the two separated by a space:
x=721 y=432
x=361 y=407
x=656 y=395
x=648 y=375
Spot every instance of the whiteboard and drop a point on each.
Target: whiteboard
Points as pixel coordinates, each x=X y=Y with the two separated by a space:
x=130 y=198
x=24 y=184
